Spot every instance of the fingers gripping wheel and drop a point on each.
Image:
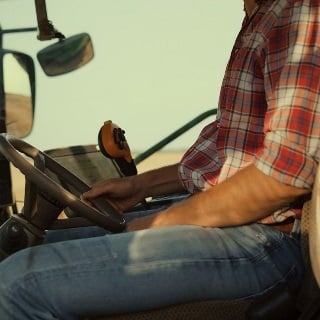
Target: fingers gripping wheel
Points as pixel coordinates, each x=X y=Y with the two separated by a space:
x=105 y=215
x=113 y=144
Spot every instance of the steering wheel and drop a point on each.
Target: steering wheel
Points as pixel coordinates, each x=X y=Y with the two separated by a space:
x=54 y=195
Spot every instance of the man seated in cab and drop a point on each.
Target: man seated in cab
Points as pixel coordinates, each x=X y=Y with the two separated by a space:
x=236 y=236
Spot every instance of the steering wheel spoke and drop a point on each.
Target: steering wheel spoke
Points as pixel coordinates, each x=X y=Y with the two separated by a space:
x=30 y=196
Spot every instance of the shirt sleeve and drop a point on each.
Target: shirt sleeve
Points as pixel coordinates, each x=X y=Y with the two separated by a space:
x=292 y=86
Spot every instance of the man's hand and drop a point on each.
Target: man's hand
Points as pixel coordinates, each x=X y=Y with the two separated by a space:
x=124 y=193
x=120 y=192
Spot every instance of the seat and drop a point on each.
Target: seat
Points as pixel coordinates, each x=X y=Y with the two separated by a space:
x=309 y=295
x=314 y=230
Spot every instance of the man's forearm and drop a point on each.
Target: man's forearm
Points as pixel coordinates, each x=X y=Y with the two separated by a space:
x=244 y=198
x=161 y=181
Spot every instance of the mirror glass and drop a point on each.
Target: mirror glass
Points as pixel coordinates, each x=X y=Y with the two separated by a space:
x=66 y=55
x=19 y=102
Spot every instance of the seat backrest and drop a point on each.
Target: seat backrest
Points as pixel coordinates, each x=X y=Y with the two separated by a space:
x=314 y=229
x=309 y=293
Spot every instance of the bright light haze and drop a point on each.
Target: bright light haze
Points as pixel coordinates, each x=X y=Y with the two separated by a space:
x=157 y=65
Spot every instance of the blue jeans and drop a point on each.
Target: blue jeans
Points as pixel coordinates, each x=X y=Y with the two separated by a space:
x=86 y=271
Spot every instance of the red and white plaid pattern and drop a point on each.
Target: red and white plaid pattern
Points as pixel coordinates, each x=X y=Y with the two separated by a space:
x=269 y=108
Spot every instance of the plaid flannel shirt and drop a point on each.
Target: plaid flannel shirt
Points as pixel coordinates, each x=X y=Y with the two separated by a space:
x=269 y=106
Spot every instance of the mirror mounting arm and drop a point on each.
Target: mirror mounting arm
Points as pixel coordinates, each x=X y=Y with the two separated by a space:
x=45 y=27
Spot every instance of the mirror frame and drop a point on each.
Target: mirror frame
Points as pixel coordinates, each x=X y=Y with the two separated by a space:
x=30 y=69
x=66 y=55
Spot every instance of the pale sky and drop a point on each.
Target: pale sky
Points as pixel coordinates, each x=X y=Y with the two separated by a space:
x=157 y=65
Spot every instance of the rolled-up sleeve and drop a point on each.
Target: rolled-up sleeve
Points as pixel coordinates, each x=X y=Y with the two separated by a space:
x=292 y=122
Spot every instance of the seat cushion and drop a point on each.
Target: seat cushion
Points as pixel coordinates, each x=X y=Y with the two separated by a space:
x=222 y=310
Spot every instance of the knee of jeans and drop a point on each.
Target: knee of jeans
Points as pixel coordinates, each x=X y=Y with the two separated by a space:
x=13 y=270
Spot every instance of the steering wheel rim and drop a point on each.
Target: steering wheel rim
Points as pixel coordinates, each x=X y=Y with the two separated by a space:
x=104 y=214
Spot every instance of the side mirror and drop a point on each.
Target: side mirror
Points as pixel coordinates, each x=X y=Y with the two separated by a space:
x=19 y=92
x=66 y=55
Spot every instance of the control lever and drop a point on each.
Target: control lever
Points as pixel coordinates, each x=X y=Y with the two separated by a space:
x=18 y=233
x=113 y=144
